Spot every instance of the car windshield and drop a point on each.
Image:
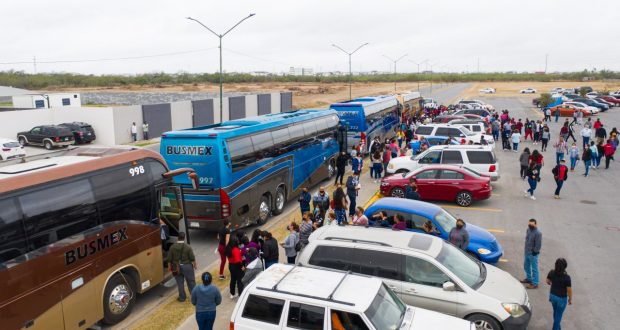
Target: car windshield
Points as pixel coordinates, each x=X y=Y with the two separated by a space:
x=12 y=145
x=387 y=310
x=466 y=131
x=445 y=220
x=471 y=272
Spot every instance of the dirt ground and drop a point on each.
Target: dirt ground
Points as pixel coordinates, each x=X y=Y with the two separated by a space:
x=505 y=89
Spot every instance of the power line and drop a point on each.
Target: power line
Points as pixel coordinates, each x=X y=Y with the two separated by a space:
x=253 y=57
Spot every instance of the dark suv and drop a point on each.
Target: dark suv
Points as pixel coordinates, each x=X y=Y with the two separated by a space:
x=48 y=136
x=82 y=132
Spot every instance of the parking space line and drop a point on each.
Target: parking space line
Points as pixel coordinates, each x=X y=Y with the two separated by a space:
x=372 y=199
x=469 y=208
x=492 y=230
x=503 y=260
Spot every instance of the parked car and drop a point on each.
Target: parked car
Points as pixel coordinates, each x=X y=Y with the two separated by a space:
x=440 y=183
x=587 y=89
x=477 y=157
x=484 y=105
x=446 y=118
x=592 y=95
x=528 y=91
x=592 y=110
x=592 y=103
x=311 y=298
x=479 y=112
x=11 y=149
x=486 y=127
x=611 y=99
x=452 y=131
x=487 y=90
x=556 y=90
x=567 y=110
x=424 y=271
x=82 y=132
x=48 y=136
x=416 y=144
x=603 y=101
x=615 y=94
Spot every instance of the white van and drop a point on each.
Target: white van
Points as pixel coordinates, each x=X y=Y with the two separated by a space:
x=455 y=131
x=425 y=272
x=476 y=157
x=295 y=297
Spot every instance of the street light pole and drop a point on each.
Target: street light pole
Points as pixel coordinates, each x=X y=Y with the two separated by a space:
x=220 y=36
x=418 y=77
x=350 y=72
x=395 y=61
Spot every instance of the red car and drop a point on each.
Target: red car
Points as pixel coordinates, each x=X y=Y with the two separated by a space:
x=611 y=99
x=441 y=182
x=444 y=119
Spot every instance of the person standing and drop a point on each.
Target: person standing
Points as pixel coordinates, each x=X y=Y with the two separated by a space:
x=533 y=177
x=515 y=139
x=271 y=253
x=533 y=244
x=222 y=236
x=529 y=129
x=560 y=174
x=585 y=133
x=594 y=152
x=547 y=114
x=411 y=191
x=134 y=132
x=182 y=263
x=557 y=114
x=304 y=200
x=561 y=291
x=305 y=230
x=600 y=133
x=235 y=266
x=459 y=235
x=393 y=148
x=357 y=163
x=353 y=186
x=206 y=298
x=376 y=166
x=290 y=242
x=387 y=156
x=320 y=201
x=524 y=161
x=495 y=130
x=587 y=159
x=341 y=165
x=573 y=155
x=560 y=149
x=145 y=130
x=340 y=205
x=545 y=135
x=359 y=219
x=609 y=151
x=399 y=222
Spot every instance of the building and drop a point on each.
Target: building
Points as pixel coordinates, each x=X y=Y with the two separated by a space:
x=56 y=100
x=293 y=71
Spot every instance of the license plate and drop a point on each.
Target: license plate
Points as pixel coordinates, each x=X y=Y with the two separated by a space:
x=194 y=224
x=88 y=134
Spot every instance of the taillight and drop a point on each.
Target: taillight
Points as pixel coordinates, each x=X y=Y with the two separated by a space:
x=492 y=168
x=57 y=139
x=231 y=326
x=224 y=204
x=81 y=133
x=6 y=149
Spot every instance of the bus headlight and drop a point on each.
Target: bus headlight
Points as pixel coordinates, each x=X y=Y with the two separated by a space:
x=483 y=251
x=513 y=309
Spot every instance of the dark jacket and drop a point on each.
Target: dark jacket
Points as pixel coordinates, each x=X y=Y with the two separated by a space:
x=459 y=237
x=341 y=162
x=270 y=250
x=600 y=133
x=556 y=172
x=587 y=155
x=533 y=241
x=411 y=194
x=352 y=183
x=322 y=202
x=304 y=201
x=533 y=173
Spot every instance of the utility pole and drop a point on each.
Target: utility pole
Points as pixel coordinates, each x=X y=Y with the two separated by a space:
x=34 y=63
x=478 y=65
x=418 y=76
x=350 y=72
x=546 y=61
x=395 y=61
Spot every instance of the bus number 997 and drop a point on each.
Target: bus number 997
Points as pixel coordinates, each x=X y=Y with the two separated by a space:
x=136 y=170
x=204 y=180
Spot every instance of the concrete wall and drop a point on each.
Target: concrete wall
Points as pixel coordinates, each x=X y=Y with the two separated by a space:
x=286 y=102
x=181 y=114
x=12 y=122
x=216 y=110
x=101 y=119
x=251 y=105
x=275 y=103
x=123 y=117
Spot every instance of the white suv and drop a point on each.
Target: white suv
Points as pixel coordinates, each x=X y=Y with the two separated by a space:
x=425 y=272
x=294 y=297
x=455 y=131
x=477 y=157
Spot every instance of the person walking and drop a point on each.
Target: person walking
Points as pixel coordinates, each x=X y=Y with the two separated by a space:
x=235 y=266
x=386 y=157
x=557 y=114
x=353 y=187
x=587 y=159
x=459 y=235
x=538 y=159
x=560 y=149
x=271 y=253
x=608 y=150
x=305 y=230
x=182 y=263
x=290 y=242
x=600 y=133
x=515 y=138
x=573 y=155
x=536 y=128
x=359 y=219
x=601 y=152
x=547 y=112
x=411 y=191
x=560 y=174
x=145 y=130
x=585 y=133
x=561 y=291
x=594 y=152
x=571 y=132
x=206 y=297
x=320 y=201
x=223 y=235
x=304 y=200
x=495 y=130
x=134 y=132
x=340 y=205
x=524 y=161
x=529 y=129
x=533 y=244
x=377 y=162
x=533 y=177
x=545 y=135
x=341 y=165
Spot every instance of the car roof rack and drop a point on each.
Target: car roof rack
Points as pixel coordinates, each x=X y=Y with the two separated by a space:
x=329 y=298
x=354 y=240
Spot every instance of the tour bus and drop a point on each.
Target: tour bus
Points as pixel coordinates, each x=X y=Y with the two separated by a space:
x=80 y=235
x=412 y=105
x=368 y=117
x=249 y=168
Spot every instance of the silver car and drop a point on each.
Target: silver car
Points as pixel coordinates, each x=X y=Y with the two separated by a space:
x=425 y=272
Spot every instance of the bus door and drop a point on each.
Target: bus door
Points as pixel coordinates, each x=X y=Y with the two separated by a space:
x=171 y=213
x=341 y=138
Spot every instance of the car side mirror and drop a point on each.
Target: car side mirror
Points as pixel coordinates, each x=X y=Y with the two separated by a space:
x=449 y=286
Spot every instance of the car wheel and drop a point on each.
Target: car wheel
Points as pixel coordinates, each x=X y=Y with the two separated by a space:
x=48 y=145
x=22 y=141
x=398 y=192
x=464 y=198
x=484 y=322
x=118 y=298
x=331 y=169
x=264 y=210
x=280 y=201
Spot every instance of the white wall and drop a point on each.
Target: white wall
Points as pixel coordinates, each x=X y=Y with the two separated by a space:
x=181 y=113
x=12 y=122
x=55 y=100
x=123 y=117
x=101 y=119
x=251 y=105
x=275 y=103
x=216 y=110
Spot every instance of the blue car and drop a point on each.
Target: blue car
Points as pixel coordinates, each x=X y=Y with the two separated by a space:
x=416 y=145
x=482 y=244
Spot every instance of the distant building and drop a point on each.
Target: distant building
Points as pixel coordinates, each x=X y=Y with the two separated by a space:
x=293 y=71
x=56 y=100
x=260 y=73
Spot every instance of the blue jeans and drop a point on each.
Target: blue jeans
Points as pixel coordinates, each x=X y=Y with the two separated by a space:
x=531 y=268
x=587 y=164
x=533 y=183
x=573 y=162
x=559 y=305
x=377 y=170
x=559 y=183
x=586 y=140
x=205 y=320
x=341 y=215
x=495 y=135
x=515 y=146
x=270 y=263
x=558 y=157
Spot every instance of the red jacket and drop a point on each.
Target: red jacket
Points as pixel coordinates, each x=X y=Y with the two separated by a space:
x=609 y=149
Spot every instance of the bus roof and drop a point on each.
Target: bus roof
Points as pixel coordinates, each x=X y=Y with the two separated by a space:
x=371 y=104
x=239 y=127
x=410 y=96
x=18 y=174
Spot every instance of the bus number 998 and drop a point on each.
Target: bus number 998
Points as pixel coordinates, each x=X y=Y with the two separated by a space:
x=136 y=170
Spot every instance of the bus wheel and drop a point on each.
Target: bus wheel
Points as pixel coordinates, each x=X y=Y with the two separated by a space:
x=280 y=200
x=264 y=209
x=331 y=170
x=118 y=299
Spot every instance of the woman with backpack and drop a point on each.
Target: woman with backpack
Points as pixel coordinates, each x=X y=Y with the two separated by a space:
x=291 y=243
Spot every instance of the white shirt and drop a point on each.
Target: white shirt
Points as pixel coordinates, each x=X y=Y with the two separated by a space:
x=586 y=132
x=516 y=137
x=134 y=129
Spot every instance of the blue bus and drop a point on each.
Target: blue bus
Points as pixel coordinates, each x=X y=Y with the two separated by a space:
x=249 y=168
x=368 y=117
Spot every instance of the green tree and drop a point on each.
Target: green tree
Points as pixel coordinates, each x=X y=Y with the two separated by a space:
x=583 y=91
x=545 y=100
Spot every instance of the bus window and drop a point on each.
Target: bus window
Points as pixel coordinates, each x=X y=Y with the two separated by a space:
x=12 y=238
x=57 y=212
x=171 y=209
x=121 y=196
x=241 y=152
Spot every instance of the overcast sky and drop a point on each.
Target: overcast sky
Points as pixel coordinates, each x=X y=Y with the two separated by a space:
x=504 y=35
